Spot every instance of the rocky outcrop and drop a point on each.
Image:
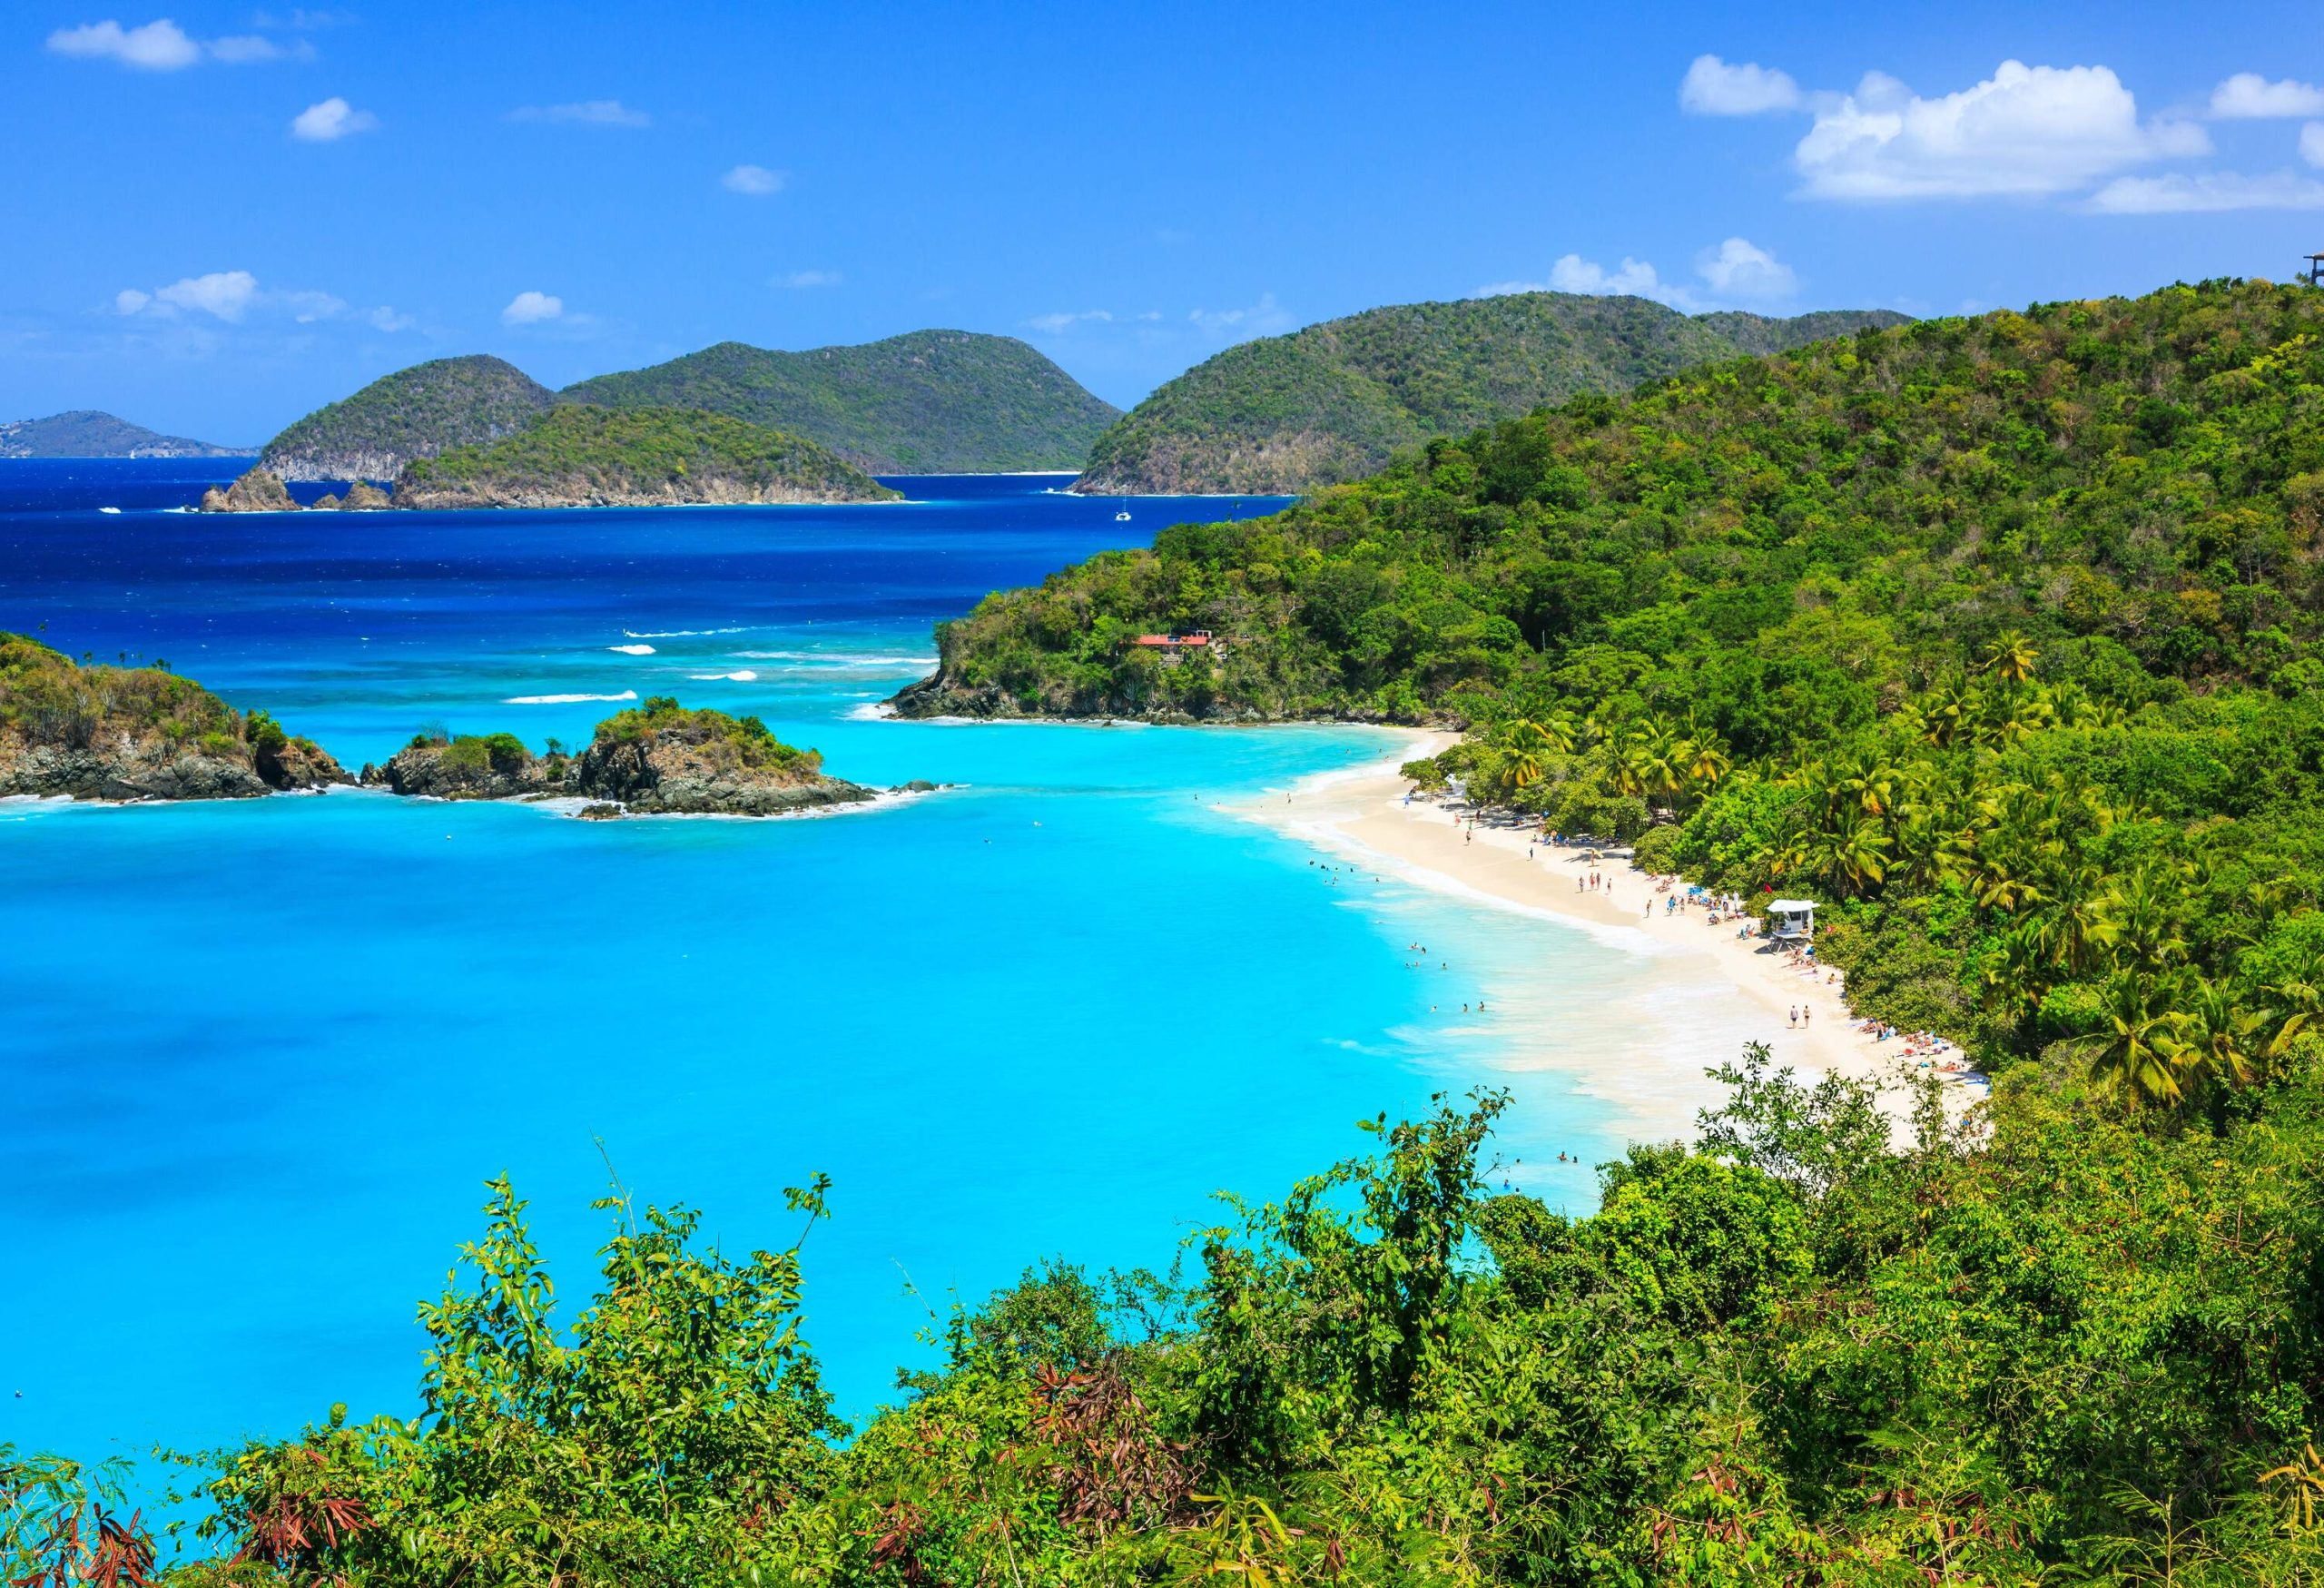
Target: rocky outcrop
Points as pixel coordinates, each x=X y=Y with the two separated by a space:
x=665 y=774
x=137 y=734
x=257 y=491
x=659 y=759
x=594 y=490
x=362 y=497
x=491 y=766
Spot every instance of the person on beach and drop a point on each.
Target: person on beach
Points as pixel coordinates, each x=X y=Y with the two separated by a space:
x=1795 y=1016
x=1807 y=1014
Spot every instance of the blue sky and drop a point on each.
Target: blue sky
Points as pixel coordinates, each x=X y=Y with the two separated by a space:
x=215 y=218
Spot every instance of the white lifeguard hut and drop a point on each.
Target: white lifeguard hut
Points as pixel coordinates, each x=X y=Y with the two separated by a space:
x=1791 y=920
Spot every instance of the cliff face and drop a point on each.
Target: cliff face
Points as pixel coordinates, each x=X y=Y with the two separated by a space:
x=257 y=491
x=138 y=734
x=585 y=489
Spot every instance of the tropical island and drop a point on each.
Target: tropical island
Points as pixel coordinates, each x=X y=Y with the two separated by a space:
x=576 y=456
x=1997 y=633
x=86 y=432
x=656 y=758
x=927 y=403
x=1333 y=402
x=579 y=456
x=93 y=731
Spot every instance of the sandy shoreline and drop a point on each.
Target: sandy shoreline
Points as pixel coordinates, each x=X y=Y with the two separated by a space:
x=1362 y=811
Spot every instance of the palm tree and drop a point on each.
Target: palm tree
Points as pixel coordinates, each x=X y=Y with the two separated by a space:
x=2012 y=656
x=2140 y=1051
x=2227 y=1037
x=1849 y=858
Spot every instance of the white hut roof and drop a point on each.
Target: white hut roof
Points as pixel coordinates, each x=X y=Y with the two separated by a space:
x=1791 y=906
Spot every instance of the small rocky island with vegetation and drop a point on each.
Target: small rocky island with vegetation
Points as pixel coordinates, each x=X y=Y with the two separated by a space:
x=119 y=732
x=579 y=456
x=430 y=408
x=576 y=456
x=657 y=758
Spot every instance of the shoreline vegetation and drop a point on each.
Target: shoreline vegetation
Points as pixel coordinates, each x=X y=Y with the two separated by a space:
x=123 y=733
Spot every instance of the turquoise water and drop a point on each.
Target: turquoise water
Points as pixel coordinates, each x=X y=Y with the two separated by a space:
x=258 y=1058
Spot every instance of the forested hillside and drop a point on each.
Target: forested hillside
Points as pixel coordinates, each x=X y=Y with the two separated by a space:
x=413 y=413
x=1333 y=402
x=930 y=402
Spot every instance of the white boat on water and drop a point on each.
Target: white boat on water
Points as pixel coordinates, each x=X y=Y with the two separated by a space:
x=114 y=511
x=1122 y=517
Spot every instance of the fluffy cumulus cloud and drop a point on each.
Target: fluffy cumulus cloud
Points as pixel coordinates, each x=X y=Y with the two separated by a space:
x=1735 y=271
x=2311 y=142
x=757 y=181
x=156 y=46
x=1741 y=270
x=532 y=309
x=2207 y=193
x=2248 y=96
x=587 y=113
x=331 y=120
x=225 y=294
x=1712 y=87
x=164 y=46
x=387 y=319
x=2026 y=131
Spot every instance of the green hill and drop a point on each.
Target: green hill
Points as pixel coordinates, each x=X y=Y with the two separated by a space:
x=1335 y=401
x=930 y=402
x=412 y=413
x=578 y=454
x=86 y=433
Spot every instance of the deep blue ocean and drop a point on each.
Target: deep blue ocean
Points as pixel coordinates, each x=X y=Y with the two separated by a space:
x=256 y=1058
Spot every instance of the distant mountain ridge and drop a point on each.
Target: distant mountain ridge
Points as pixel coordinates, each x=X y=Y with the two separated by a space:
x=1335 y=401
x=418 y=412
x=927 y=403
x=86 y=432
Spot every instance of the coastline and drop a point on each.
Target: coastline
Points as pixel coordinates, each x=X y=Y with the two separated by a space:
x=1362 y=813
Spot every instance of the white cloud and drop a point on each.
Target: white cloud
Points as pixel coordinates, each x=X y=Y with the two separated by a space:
x=306 y=306
x=226 y=294
x=2311 y=142
x=1736 y=269
x=531 y=309
x=164 y=46
x=2208 y=192
x=130 y=301
x=157 y=46
x=1264 y=318
x=588 y=112
x=805 y=278
x=2027 y=131
x=1741 y=269
x=2248 y=96
x=756 y=181
x=331 y=120
x=1714 y=88
x=383 y=318
x=1059 y=323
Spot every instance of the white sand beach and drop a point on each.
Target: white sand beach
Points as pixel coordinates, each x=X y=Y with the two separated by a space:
x=1364 y=811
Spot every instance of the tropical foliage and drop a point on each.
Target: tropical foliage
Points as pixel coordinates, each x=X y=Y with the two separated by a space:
x=467 y=401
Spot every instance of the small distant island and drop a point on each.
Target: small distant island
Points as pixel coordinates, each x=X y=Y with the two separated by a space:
x=582 y=456
x=579 y=456
x=657 y=758
x=84 y=433
x=93 y=731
